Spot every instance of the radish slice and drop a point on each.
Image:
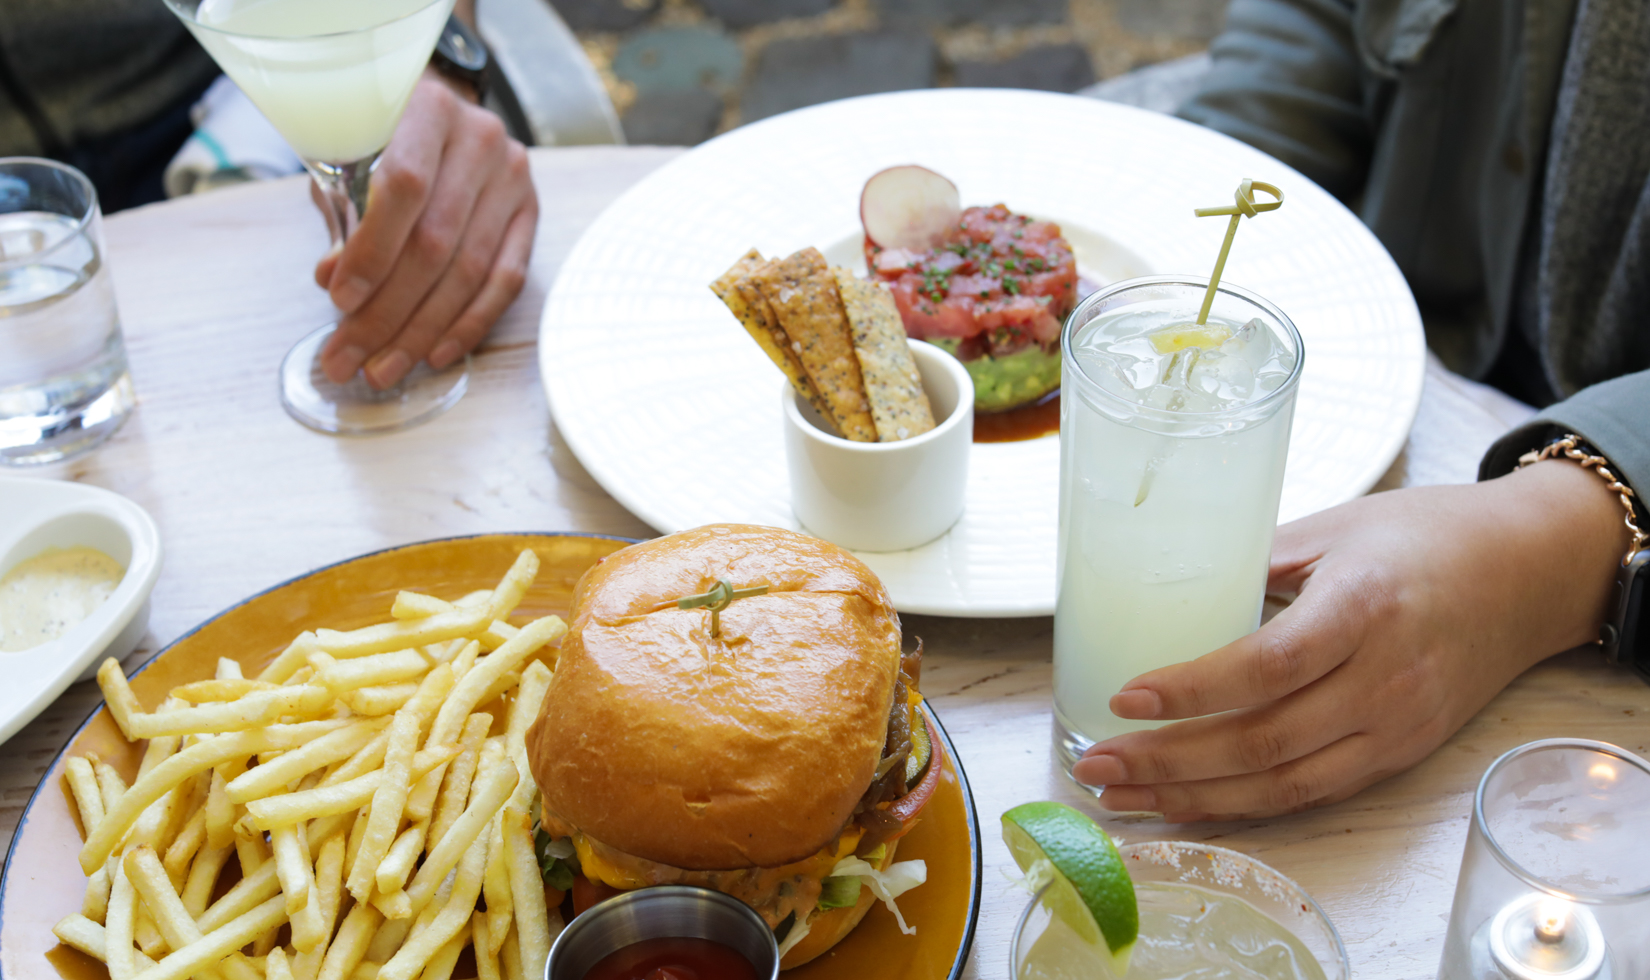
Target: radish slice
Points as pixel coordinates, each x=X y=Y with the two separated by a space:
x=909 y=207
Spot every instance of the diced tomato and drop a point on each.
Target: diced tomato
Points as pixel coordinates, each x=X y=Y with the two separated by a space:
x=1000 y=282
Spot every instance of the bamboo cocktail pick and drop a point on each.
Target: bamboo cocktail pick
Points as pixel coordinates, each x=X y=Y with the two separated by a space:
x=1244 y=208
x=718 y=599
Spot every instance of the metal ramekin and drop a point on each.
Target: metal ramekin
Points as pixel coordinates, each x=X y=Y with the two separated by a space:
x=655 y=913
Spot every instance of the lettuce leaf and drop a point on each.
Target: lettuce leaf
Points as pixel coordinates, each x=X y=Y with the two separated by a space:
x=555 y=857
x=901 y=877
x=798 y=931
x=839 y=892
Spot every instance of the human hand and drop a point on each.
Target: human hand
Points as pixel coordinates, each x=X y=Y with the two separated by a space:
x=443 y=247
x=1415 y=608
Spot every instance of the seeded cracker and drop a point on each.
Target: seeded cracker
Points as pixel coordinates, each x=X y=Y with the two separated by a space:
x=737 y=289
x=899 y=405
x=804 y=297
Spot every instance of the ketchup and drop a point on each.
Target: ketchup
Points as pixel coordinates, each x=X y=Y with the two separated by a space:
x=673 y=958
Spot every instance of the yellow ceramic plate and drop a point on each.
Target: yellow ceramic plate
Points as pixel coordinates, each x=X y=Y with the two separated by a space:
x=42 y=881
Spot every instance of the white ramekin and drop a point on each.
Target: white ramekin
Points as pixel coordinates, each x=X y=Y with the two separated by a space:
x=884 y=496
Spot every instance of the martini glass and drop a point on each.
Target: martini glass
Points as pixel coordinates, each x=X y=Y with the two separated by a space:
x=334 y=77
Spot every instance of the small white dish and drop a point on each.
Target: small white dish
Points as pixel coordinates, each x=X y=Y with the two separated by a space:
x=884 y=496
x=36 y=514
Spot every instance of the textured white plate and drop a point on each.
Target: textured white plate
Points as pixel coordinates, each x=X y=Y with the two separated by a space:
x=37 y=514
x=668 y=403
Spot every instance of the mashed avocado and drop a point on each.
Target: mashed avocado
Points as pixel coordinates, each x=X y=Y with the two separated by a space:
x=1011 y=381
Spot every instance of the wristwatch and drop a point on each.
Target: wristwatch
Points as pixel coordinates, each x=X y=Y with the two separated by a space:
x=460 y=55
x=1625 y=635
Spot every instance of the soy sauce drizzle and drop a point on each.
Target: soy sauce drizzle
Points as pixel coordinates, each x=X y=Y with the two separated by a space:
x=1039 y=418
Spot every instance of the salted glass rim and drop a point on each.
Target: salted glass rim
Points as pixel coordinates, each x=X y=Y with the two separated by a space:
x=1481 y=823
x=177 y=7
x=1345 y=961
x=81 y=223
x=1091 y=386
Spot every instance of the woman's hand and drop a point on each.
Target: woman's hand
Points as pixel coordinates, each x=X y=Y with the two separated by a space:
x=443 y=247
x=1415 y=608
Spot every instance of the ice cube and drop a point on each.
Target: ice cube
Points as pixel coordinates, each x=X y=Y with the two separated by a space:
x=1174 y=391
x=1269 y=381
x=1226 y=376
x=1164 y=398
x=1177 y=371
x=1109 y=369
x=1258 y=345
x=15 y=243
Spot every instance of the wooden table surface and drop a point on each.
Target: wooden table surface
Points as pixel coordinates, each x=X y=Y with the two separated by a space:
x=214 y=289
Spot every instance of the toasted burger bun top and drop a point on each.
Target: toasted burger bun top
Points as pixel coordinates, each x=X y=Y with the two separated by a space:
x=748 y=750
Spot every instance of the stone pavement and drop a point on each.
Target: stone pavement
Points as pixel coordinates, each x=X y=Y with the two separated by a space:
x=680 y=71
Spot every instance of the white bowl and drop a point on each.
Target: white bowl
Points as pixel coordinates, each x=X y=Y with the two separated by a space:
x=36 y=514
x=884 y=496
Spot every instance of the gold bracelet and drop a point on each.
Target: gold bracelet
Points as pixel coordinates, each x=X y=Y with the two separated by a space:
x=1570 y=446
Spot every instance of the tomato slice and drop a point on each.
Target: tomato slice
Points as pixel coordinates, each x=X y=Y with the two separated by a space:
x=587 y=893
x=908 y=806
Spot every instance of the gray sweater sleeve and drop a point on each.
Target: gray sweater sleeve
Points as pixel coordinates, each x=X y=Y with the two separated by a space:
x=1613 y=415
x=1286 y=79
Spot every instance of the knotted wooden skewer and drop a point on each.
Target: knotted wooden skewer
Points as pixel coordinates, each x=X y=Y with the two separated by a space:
x=718 y=599
x=1244 y=208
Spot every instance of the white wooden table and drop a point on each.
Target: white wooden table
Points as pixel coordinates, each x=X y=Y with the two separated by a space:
x=214 y=289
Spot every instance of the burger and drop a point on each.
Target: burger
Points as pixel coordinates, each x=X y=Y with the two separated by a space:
x=767 y=747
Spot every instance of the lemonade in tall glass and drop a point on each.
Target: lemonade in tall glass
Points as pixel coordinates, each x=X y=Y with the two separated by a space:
x=1173 y=437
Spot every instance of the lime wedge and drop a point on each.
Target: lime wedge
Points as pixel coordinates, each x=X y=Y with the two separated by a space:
x=1167 y=340
x=1088 y=887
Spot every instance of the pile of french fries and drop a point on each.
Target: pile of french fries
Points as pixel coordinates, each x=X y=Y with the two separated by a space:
x=380 y=823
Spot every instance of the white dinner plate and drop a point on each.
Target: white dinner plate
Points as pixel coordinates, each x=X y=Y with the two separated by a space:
x=669 y=404
x=36 y=514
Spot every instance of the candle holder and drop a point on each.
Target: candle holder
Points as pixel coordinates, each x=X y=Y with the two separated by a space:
x=1555 y=879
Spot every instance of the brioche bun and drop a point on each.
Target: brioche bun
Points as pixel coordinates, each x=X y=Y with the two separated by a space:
x=747 y=750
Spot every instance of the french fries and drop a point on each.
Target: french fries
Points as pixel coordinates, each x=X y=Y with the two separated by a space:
x=272 y=777
x=321 y=801
x=358 y=784
x=533 y=925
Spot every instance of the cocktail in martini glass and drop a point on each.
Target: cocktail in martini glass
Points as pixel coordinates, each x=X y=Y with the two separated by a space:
x=334 y=77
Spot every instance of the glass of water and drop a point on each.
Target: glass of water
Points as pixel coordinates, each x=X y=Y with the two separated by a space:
x=64 y=386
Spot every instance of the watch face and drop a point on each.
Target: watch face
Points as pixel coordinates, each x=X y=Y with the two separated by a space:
x=460 y=47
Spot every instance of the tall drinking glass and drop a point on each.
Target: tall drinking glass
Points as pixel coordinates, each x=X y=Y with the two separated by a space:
x=1172 y=447
x=64 y=386
x=334 y=77
x=1555 y=879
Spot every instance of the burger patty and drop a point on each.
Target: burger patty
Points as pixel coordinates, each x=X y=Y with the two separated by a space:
x=871 y=813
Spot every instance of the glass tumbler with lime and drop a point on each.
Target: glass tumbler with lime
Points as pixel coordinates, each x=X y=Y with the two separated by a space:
x=1164 y=910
